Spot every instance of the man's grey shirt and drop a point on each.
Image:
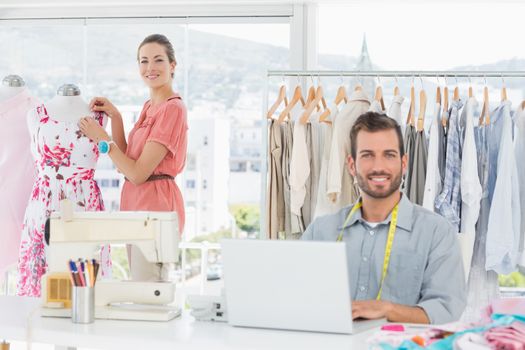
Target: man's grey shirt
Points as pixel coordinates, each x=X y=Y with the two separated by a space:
x=425 y=267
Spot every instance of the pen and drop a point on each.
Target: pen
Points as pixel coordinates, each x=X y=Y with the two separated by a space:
x=81 y=274
x=71 y=274
x=87 y=274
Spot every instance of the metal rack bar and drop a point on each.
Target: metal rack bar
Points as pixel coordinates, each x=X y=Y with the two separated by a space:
x=393 y=74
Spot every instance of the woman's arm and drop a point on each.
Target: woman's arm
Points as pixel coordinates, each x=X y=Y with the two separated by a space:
x=102 y=104
x=136 y=171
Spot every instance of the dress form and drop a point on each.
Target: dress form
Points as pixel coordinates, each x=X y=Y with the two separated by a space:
x=67 y=105
x=11 y=86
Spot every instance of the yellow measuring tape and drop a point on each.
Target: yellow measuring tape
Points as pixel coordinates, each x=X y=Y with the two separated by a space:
x=389 y=241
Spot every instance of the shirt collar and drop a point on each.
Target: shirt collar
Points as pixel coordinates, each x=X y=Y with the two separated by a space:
x=404 y=215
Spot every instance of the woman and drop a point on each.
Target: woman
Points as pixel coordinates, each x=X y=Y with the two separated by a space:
x=156 y=148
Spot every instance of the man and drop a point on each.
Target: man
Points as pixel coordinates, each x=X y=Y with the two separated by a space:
x=418 y=276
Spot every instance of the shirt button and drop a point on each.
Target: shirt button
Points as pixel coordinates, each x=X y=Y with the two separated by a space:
x=362 y=288
x=372 y=233
x=365 y=259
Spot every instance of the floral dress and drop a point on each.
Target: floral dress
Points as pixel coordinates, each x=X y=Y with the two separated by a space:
x=65 y=163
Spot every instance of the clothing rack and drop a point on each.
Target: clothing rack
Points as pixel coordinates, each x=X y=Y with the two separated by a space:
x=353 y=73
x=394 y=74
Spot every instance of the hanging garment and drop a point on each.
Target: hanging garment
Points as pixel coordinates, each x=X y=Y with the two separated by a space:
x=315 y=152
x=275 y=189
x=409 y=143
x=299 y=170
x=66 y=162
x=17 y=173
x=340 y=183
x=443 y=131
x=433 y=178
x=394 y=111
x=503 y=233
x=494 y=142
x=448 y=202
x=519 y=152
x=375 y=106
x=470 y=186
x=482 y=284
x=324 y=205
x=306 y=208
x=419 y=169
x=287 y=134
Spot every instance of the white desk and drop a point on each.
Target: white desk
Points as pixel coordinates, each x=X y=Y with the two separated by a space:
x=182 y=333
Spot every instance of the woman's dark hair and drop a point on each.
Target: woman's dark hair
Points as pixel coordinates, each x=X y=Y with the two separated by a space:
x=371 y=121
x=161 y=40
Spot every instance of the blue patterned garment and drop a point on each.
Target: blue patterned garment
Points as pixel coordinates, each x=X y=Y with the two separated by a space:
x=448 y=202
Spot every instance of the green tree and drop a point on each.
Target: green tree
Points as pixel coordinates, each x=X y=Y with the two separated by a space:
x=247 y=217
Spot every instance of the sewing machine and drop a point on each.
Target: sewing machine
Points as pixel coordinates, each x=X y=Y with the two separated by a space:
x=81 y=234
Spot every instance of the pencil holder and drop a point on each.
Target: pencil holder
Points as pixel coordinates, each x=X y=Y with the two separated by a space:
x=83 y=305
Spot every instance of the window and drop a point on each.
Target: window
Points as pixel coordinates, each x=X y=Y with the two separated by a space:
x=368 y=45
x=224 y=90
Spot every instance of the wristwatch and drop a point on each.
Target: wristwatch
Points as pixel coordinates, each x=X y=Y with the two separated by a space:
x=105 y=146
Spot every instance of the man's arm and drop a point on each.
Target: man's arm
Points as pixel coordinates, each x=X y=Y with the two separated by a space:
x=372 y=309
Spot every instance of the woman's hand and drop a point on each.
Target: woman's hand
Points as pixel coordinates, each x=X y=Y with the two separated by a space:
x=102 y=104
x=93 y=130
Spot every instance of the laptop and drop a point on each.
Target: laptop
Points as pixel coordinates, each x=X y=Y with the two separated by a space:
x=293 y=285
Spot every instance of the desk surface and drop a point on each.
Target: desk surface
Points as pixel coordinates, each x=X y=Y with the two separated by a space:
x=16 y=313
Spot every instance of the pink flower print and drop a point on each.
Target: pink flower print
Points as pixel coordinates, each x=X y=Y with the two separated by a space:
x=56 y=157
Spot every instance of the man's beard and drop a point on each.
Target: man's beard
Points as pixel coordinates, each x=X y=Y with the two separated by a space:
x=395 y=183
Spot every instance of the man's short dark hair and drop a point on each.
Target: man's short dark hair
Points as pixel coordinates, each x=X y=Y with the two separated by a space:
x=372 y=121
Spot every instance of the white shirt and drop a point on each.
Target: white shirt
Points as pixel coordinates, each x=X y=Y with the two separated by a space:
x=504 y=219
x=339 y=182
x=433 y=177
x=324 y=205
x=394 y=111
x=299 y=163
x=519 y=152
x=470 y=186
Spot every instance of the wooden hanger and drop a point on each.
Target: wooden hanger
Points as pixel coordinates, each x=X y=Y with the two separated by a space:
x=323 y=118
x=503 y=93
x=438 y=95
x=297 y=97
x=341 y=95
x=314 y=103
x=484 y=118
x=311 y=95
x=379 y=96
x=396 y=88
x=281 y=97
x=456 y=94
x=410 y=116
x=445 y=106
x=422 y=109
x=358 y=86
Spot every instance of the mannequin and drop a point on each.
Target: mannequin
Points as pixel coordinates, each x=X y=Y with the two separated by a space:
x=11 y=86
x=67 y=105
x=17 y=170
x=66 y=161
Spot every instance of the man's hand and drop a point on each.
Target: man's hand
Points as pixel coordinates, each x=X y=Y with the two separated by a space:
x=373 y=309
x=370 y=309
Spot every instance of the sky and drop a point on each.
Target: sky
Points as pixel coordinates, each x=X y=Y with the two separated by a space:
x=408 y=35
